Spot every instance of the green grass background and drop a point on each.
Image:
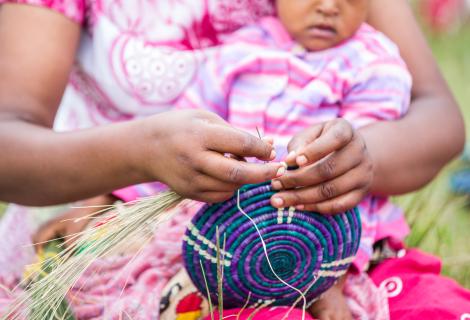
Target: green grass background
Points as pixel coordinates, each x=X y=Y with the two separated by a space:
x=440 y=220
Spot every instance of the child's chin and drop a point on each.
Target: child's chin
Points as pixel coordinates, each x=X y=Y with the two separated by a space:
x=318 y=44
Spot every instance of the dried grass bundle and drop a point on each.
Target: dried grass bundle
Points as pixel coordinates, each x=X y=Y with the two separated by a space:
x=128 y=225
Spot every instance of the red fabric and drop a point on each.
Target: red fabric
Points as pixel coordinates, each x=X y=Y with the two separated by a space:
x=414 y=287
x=270 y=313
x=417 y=291
x=442 y=14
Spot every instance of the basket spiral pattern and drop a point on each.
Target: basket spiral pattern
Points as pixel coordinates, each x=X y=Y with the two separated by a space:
x=307 y=250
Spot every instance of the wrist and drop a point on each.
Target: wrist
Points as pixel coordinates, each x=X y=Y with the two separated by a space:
x=134 y=149
x=145 y=138
x=372 y=158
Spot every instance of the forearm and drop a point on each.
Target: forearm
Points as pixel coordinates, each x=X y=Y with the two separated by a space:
x=42 y=167
x=409 y=152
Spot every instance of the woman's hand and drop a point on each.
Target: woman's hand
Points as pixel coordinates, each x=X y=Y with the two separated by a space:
x=335 y=169
x=188 y=150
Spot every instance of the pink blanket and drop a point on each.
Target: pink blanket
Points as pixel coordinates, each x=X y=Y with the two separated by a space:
x=124 y=286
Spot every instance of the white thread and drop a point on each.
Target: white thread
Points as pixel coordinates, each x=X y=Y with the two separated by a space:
x=267 y=256
x=195 y=232
x=291 y=214
x=280 y=215
x=256 y=304
x=337 y=263
x=393 y=286
x=204 y=253
x=465 y=316
x=329 y=273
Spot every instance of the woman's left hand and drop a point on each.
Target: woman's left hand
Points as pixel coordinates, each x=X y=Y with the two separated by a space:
x=335 y=169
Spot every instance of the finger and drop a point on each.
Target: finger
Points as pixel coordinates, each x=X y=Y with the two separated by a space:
x=205 y=183
x=238 y=172
x=47 y=232
x=73 y=229
x=305 y=137
x=326 y=315
x=328 y=168
x=213 y=197
x=320 y=312
x=226 y=139
x=332 y=138
x=268 y=140
x=300 y=141
x=351 y=180
x=232 y=156
x=339 y=204
x=290 y=159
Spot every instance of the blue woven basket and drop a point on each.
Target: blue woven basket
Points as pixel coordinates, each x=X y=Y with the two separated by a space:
x=308 y=250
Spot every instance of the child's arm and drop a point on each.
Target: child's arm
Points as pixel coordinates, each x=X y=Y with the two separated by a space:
x=41 y=167
x=332 y=304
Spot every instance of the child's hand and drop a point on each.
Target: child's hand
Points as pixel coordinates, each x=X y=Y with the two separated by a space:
x=71 y=222
x=335 y=172
x=187 y=150
x=332 y=304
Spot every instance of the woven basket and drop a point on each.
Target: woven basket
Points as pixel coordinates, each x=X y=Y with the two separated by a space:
x=307 y=250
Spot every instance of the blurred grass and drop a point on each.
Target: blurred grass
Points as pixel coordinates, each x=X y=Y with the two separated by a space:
x=2 y=209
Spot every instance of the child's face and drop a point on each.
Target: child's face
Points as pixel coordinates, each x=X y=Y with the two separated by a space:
x=321 y=24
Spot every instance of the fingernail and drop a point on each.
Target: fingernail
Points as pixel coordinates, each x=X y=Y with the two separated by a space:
x=291 y=156
x=272 y=156
x=278 y=202
x=300 y=207
x=301 y=160
x=277 y=185
x=280 y=171
x=268 y=140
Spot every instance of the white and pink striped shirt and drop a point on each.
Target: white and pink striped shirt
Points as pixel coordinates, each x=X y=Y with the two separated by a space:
x=260 y=78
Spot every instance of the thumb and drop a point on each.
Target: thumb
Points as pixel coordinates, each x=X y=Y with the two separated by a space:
x=300 y=141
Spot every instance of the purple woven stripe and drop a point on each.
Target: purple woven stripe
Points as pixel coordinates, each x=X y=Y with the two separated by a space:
x=308 y=238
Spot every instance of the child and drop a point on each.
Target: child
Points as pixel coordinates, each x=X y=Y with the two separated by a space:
x=316 y=63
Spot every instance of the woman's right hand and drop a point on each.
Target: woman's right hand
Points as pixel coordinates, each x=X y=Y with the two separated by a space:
x=187 y=150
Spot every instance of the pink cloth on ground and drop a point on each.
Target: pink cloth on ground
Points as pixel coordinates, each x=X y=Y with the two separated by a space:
x=416 y=290
x=272 y=313
x=117 y=286
x=111 y=287
x=364 y=299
